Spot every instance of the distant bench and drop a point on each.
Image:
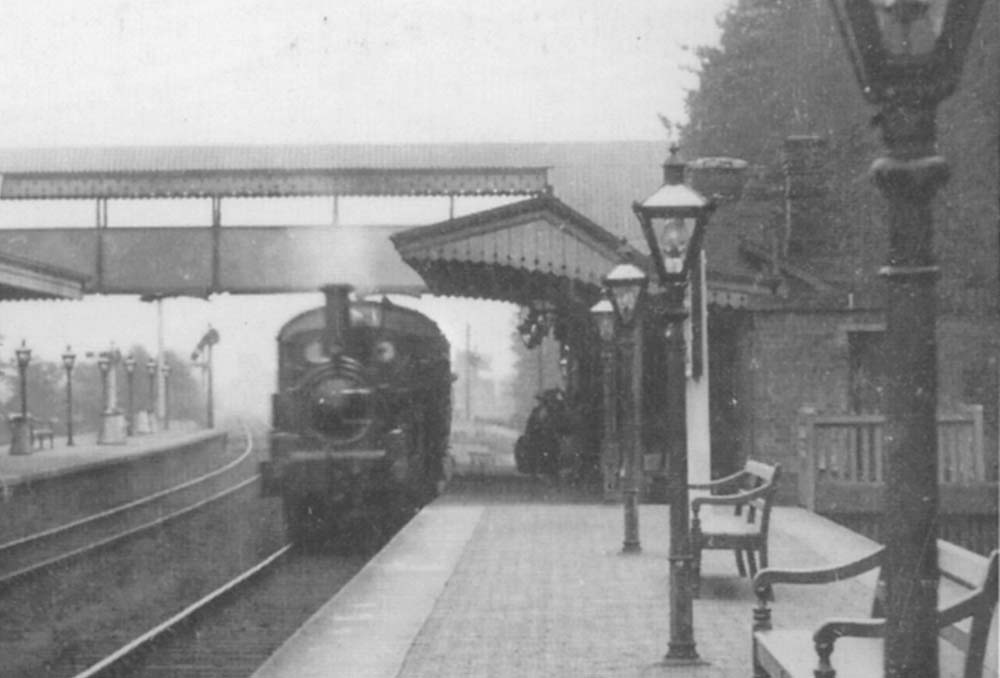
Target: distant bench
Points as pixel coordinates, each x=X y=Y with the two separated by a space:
x=39 y=430
x=42 y=430
x=743 y=526
x=968 y=588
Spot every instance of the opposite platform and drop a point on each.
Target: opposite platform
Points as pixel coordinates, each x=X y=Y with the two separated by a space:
x=86 y=453
x=513 y=580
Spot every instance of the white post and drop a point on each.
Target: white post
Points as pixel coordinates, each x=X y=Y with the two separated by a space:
x=699 y=437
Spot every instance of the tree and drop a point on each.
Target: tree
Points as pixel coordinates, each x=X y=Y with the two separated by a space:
x=780 y=69
x=534 y=370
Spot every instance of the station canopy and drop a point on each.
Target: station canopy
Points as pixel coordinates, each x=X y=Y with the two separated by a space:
x=520 y=252
x=24 y=279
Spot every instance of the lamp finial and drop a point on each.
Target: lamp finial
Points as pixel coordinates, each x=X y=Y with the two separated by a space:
x=673 y=168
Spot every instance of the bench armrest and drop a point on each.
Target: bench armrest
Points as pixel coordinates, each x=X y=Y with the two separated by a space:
x=730 y=499
x=831 y=629
x=719 y=482
x=765 y=578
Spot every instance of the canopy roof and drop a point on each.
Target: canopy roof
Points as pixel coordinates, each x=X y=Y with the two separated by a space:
x=514 y=252
x=23 y=279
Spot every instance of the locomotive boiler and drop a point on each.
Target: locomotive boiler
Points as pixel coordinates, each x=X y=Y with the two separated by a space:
x=361 y=418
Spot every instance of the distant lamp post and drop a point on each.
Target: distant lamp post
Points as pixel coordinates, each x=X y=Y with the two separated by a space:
x=626 y=289
x=104 y=365
x=908 y=57
x=673 y=220
x=603 y=314
x=151 y=369
x=166 y=396
x=130 y=371
x=68 y=360
x=23 y=354
x=20 y=442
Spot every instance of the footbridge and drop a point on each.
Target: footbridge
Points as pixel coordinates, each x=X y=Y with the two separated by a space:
x=165 y=223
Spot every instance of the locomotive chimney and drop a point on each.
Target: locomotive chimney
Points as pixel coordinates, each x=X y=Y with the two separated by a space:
x=337 y=316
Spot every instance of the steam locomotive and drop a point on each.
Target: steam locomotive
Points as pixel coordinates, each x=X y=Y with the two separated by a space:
x=361 y=418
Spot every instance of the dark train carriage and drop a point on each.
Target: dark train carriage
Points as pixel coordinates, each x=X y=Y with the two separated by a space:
x=361 y=416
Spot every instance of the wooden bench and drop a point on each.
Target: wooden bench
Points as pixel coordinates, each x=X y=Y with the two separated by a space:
x=967 y=595
x=744 y=528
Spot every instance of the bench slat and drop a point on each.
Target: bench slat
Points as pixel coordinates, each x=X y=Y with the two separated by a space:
x=961 y=566
x=763 y=471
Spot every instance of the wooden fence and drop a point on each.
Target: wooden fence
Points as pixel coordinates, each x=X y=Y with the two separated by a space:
x=842 y=465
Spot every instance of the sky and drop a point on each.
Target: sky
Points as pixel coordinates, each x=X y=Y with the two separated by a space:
x=276 y=71
x=207 y=72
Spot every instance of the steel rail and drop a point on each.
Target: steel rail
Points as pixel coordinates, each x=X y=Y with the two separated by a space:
x=60 y=529
x=37 y=568
x=112 y=662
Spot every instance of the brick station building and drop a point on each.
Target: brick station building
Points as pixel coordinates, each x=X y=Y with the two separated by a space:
x=805 y=342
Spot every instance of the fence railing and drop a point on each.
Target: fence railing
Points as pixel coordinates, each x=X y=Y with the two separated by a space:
x=851 y=448
x=842 y=471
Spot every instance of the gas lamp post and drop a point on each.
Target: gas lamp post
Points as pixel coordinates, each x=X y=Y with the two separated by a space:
x=20 y=442
x=23 y=354
x=166 y=396
x=908 y=57
x=68 y=360
x=104 y=365
x=130 y=371
x=604 y=318
x=626 y=286
x=673 y=220
x=151 y=371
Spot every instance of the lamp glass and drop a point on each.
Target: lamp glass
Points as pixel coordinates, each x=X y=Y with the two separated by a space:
x=68 y=358
x=625 y=286
x=604 y=316
x=910 y=27
x=151 y=366
x=673 y=237
x=626 y=298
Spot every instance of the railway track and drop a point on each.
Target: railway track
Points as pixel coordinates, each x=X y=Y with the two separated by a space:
x=235 y=628
x=228 y=632
x=40 y=552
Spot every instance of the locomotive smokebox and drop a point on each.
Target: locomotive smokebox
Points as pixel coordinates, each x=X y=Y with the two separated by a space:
x=337 y=318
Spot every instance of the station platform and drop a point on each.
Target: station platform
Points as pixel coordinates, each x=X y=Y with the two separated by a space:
x=60 y=458
x=511 y=576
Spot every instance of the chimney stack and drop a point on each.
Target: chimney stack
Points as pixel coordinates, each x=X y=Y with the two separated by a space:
x=337 y=317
